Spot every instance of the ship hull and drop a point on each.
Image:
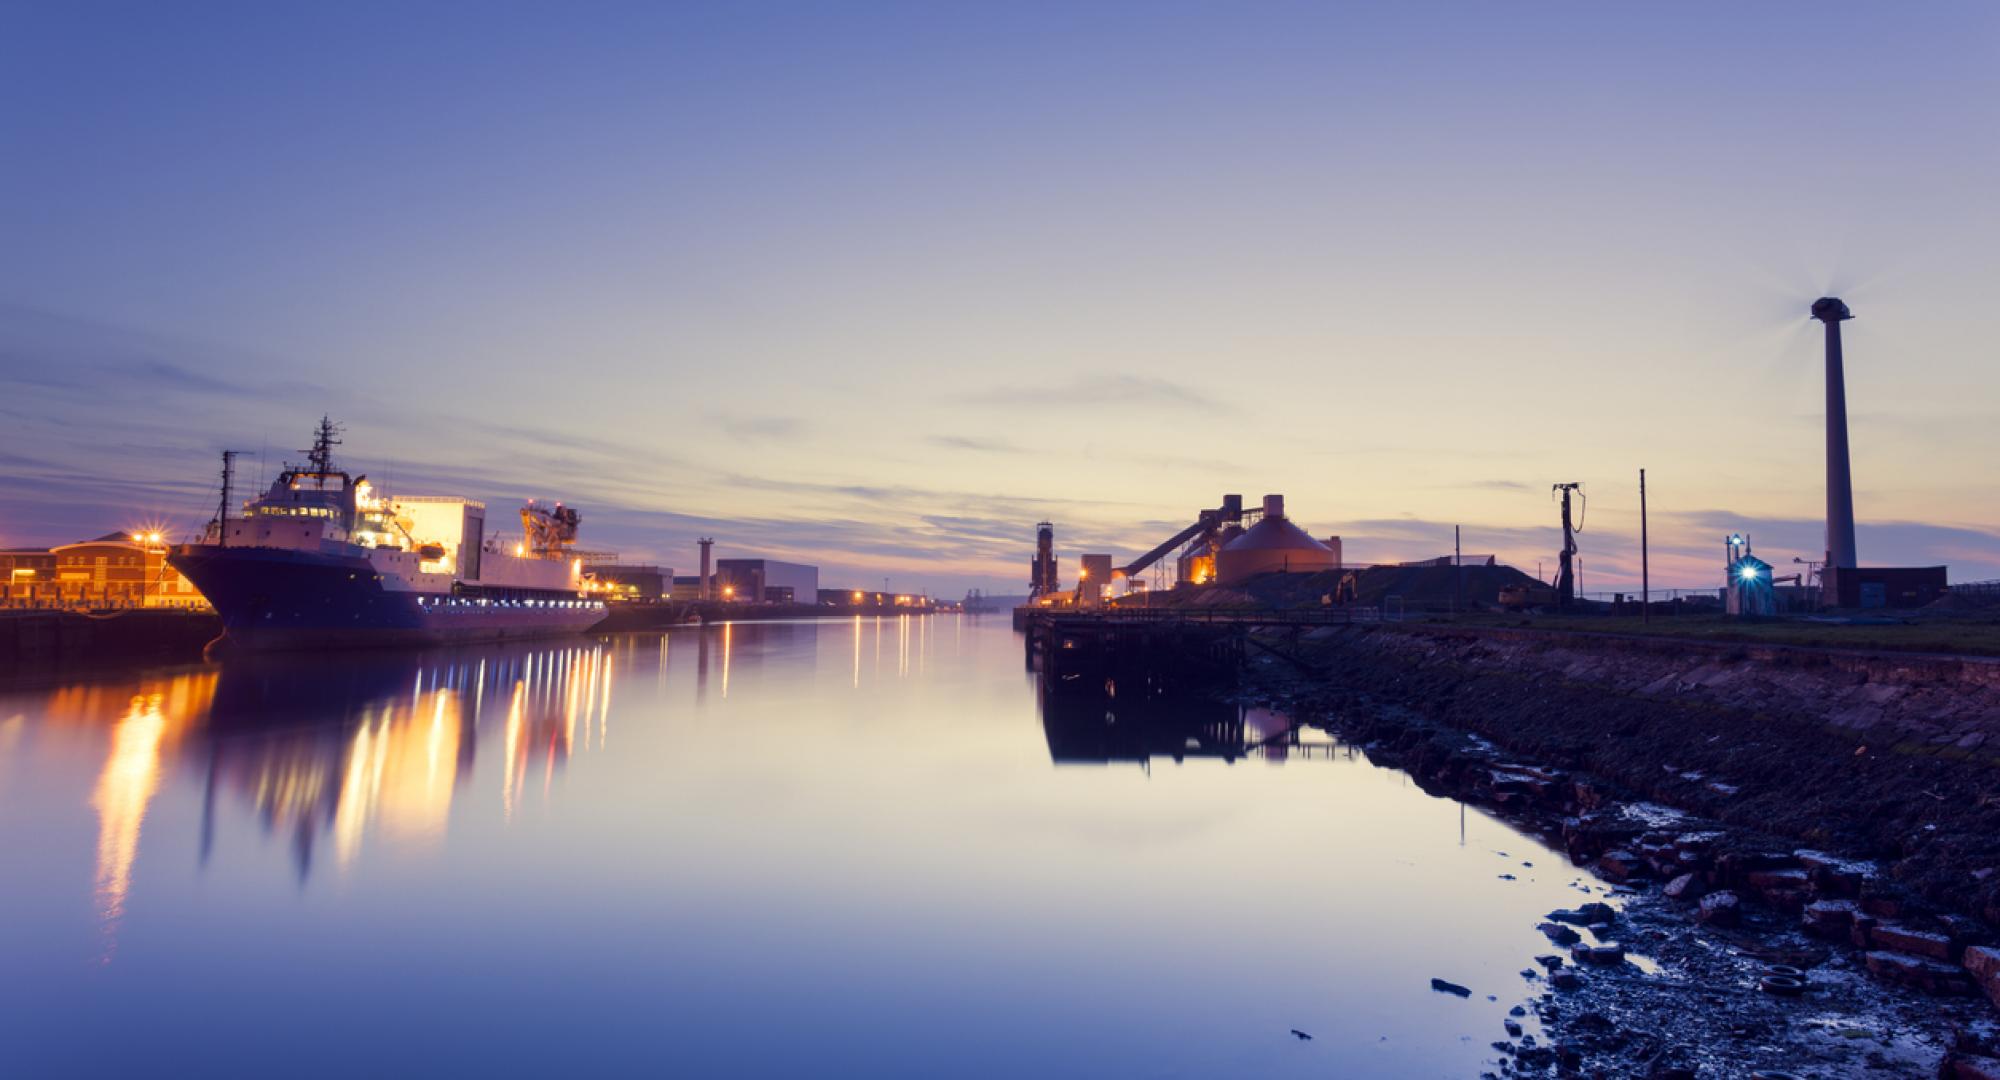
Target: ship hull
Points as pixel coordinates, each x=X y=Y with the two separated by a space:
x=278 y=599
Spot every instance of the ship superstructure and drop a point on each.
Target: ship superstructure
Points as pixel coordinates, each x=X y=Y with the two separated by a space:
x=324 y=559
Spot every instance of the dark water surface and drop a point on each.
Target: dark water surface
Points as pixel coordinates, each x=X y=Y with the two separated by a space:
x=799 y=849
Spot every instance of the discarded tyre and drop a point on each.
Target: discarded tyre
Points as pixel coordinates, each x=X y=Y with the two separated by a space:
x=1782 y=985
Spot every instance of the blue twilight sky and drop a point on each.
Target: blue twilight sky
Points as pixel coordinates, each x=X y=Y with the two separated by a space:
x=880 y=285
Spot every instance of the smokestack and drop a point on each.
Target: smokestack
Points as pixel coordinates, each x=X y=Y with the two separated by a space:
x=1839 y=481
x=1274 y=506
x=705 y=543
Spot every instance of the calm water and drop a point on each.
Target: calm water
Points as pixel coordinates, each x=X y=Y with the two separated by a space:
x=801 y=849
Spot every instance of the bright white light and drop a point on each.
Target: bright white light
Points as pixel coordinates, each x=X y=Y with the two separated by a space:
x=1748 y=573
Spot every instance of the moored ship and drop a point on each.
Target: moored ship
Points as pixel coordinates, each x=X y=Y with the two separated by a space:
x=324 y=560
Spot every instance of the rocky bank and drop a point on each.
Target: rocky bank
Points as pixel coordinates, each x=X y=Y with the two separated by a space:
x=1803 y=843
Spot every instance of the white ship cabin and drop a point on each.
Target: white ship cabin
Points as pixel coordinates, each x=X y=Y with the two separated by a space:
x=423 y=543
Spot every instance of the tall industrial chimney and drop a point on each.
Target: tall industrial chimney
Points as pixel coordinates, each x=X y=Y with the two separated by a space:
x=1839 y=481
x=705 y=543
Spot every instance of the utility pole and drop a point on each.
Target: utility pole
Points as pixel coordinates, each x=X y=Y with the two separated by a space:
x=1645 y=565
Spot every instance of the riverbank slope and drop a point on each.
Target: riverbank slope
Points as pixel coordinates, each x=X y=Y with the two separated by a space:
x=1888 y=756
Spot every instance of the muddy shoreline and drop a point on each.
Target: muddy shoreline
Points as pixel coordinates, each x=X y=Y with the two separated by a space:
x=1796 y=896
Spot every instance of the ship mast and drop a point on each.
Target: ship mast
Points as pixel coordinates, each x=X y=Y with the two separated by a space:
x=321 y=454
x=222 y=508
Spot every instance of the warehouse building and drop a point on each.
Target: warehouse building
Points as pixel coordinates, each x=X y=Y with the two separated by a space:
x=766 y=581
x=117 y=570
x=620 y=581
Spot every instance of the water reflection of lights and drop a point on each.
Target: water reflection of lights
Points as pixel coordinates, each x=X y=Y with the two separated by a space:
x=153 y=715
x=124 y=790
x=396 y=772
x=386 y=757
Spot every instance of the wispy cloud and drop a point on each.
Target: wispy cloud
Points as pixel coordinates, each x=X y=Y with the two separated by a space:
x=1097 y=392
x=760 y=428
x=967 y=442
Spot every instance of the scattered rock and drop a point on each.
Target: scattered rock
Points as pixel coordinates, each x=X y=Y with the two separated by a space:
x=1901 y=938
x=1767 y=880
x=1620 y=865
x=1560 y=934
x=1914 y=971
x=1585 y=914
x=1566 y=979
x=1970 y=1067
x=1982 y=962
x=1720 y=909
x=1451 y=988
x=1685 y=887
x=1830 y=919
x=1594 y=1021
x=1601 y=955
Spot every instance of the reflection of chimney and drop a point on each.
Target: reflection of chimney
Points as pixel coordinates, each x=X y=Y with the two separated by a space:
x=706 y=543
x=1839 y=482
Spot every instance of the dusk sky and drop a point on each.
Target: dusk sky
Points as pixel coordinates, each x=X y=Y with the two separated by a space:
x=879 y=286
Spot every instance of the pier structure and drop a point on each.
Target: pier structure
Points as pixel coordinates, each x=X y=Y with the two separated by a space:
x=1140 y=653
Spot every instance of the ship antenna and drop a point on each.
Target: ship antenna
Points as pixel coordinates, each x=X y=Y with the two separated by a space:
x=321 y=455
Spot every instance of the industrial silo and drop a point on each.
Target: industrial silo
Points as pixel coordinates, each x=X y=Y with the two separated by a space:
x=1273 y=544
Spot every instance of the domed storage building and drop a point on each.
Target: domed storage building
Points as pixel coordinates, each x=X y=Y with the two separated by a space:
x=1273 y=544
